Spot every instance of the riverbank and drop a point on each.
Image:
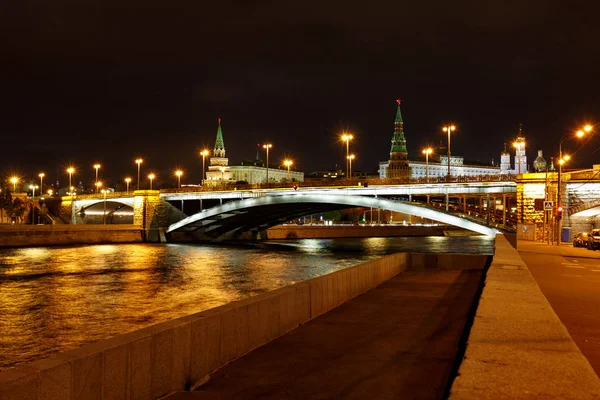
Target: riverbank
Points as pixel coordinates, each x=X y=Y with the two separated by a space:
x=72 y=234
x=62 y=235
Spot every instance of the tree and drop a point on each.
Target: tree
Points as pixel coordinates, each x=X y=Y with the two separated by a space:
x=5 y=202
x=17 y=208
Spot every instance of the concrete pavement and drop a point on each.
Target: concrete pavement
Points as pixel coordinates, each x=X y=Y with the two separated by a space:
x=399 y=340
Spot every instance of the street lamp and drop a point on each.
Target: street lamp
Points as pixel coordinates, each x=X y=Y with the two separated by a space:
x=561 y=160
x=178 y=173
x=127 y=181
x=104 y=214
x=139 y=162
x=33 y=187
x=98 y=186
x=70 y=170
x=519 y=146
x=449 y=128
x=42 y=175
x=151 y=177
x=96 y=167
x=427 y=152
x=203 y=153
x=350 y=158
x=288 y=164
x=267 y=146
x=346 y=137
x=14 y=181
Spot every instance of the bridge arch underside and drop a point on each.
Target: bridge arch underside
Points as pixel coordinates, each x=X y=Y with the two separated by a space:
x=94 y=213
x=232 y=220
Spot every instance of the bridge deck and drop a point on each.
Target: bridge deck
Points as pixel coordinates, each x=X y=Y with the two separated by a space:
x=399 y=340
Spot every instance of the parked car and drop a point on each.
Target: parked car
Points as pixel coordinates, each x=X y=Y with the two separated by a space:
x=594 y=240
x=581 y=240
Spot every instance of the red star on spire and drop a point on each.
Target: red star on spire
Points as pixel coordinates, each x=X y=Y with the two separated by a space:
x=398 y=101
x=219 y=120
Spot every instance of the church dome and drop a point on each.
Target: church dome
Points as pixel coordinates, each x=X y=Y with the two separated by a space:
x=540 y=164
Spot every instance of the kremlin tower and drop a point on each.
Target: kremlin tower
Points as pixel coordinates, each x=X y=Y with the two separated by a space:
x=398 y=164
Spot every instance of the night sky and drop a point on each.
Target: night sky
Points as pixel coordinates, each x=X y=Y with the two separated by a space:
x=97 y=81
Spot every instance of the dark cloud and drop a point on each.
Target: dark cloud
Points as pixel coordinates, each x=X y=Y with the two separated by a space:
x=111 y=81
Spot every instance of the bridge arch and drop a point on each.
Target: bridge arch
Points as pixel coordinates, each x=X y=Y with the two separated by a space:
x=257 y=214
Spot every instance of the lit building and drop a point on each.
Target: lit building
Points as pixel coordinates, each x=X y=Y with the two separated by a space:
x=520 y=156
x=218 y=169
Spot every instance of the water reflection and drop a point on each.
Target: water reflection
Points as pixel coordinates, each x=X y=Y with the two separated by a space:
x=56 y=299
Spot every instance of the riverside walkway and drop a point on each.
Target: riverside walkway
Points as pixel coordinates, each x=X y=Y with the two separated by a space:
x=399 y=340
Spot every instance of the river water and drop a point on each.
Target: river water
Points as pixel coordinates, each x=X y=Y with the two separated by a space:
x=54 y=299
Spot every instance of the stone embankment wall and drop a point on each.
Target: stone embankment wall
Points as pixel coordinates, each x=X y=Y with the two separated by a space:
x=517 y=347
x=51 y=235
x=175 y=355
x=281 y=232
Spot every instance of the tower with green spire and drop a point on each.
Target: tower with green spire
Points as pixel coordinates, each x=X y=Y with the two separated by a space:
x=218 y=169
x=398 y=165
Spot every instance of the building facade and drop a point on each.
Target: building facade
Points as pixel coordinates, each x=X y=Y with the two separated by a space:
x=520 y=162
x=256 y=174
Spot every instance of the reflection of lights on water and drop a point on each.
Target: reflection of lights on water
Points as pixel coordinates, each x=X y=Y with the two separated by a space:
x=35 y=252
x=105 y=249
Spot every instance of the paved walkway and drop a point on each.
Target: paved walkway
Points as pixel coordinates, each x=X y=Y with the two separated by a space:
x=399 y=340
x=570 y=279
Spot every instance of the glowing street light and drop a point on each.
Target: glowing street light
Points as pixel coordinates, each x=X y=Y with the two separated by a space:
x=70 y=171
x=267 y=146
x=203 y=153
x=96 y=167
x=104 y=214
x=562 y=160
x=427 y=152
x=139 y=162
x=50 y=192
x=350 y=158
x=346 y=137
x=288 y=164
x=127 y=181
x=98 y=186
x=151 y=177
x=42 y=175
x=14 y=181
x=178 y=173
x=33 y=187
x=449 y=128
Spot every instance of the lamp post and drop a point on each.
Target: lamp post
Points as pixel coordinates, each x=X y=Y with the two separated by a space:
x=449 y=128
x=346 y=137
x=350 y=158
x=127 y=181
x=151 y=177
x=267 y=146
x=32 y=187
x=14 y=181
x=70 y=170
x=178 y=173
x=288 y=164
x=427 y=152
x=42 y=175
x=561 y=160
x=96 y=167
x=139 y=162
x=203 y=153
x=104 y=214
x=98 y=186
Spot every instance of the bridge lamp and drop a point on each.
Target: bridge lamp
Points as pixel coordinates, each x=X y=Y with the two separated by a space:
x=427 y=152
x=203 y=153
x=346 y=137
x=70 y=171
x=50 y=191
x=449 y=129
x=288 y=164
x=267 y=146
x=33 y=187
x=178 y=173
x=127 y=182
x=139 y=162
x=96 y=167
x=14 y=181
x=350 y=158
x=151 y=177
x=104 y=214
x=42 y=175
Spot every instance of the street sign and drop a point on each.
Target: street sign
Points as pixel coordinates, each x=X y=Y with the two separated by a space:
x=548 y=205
